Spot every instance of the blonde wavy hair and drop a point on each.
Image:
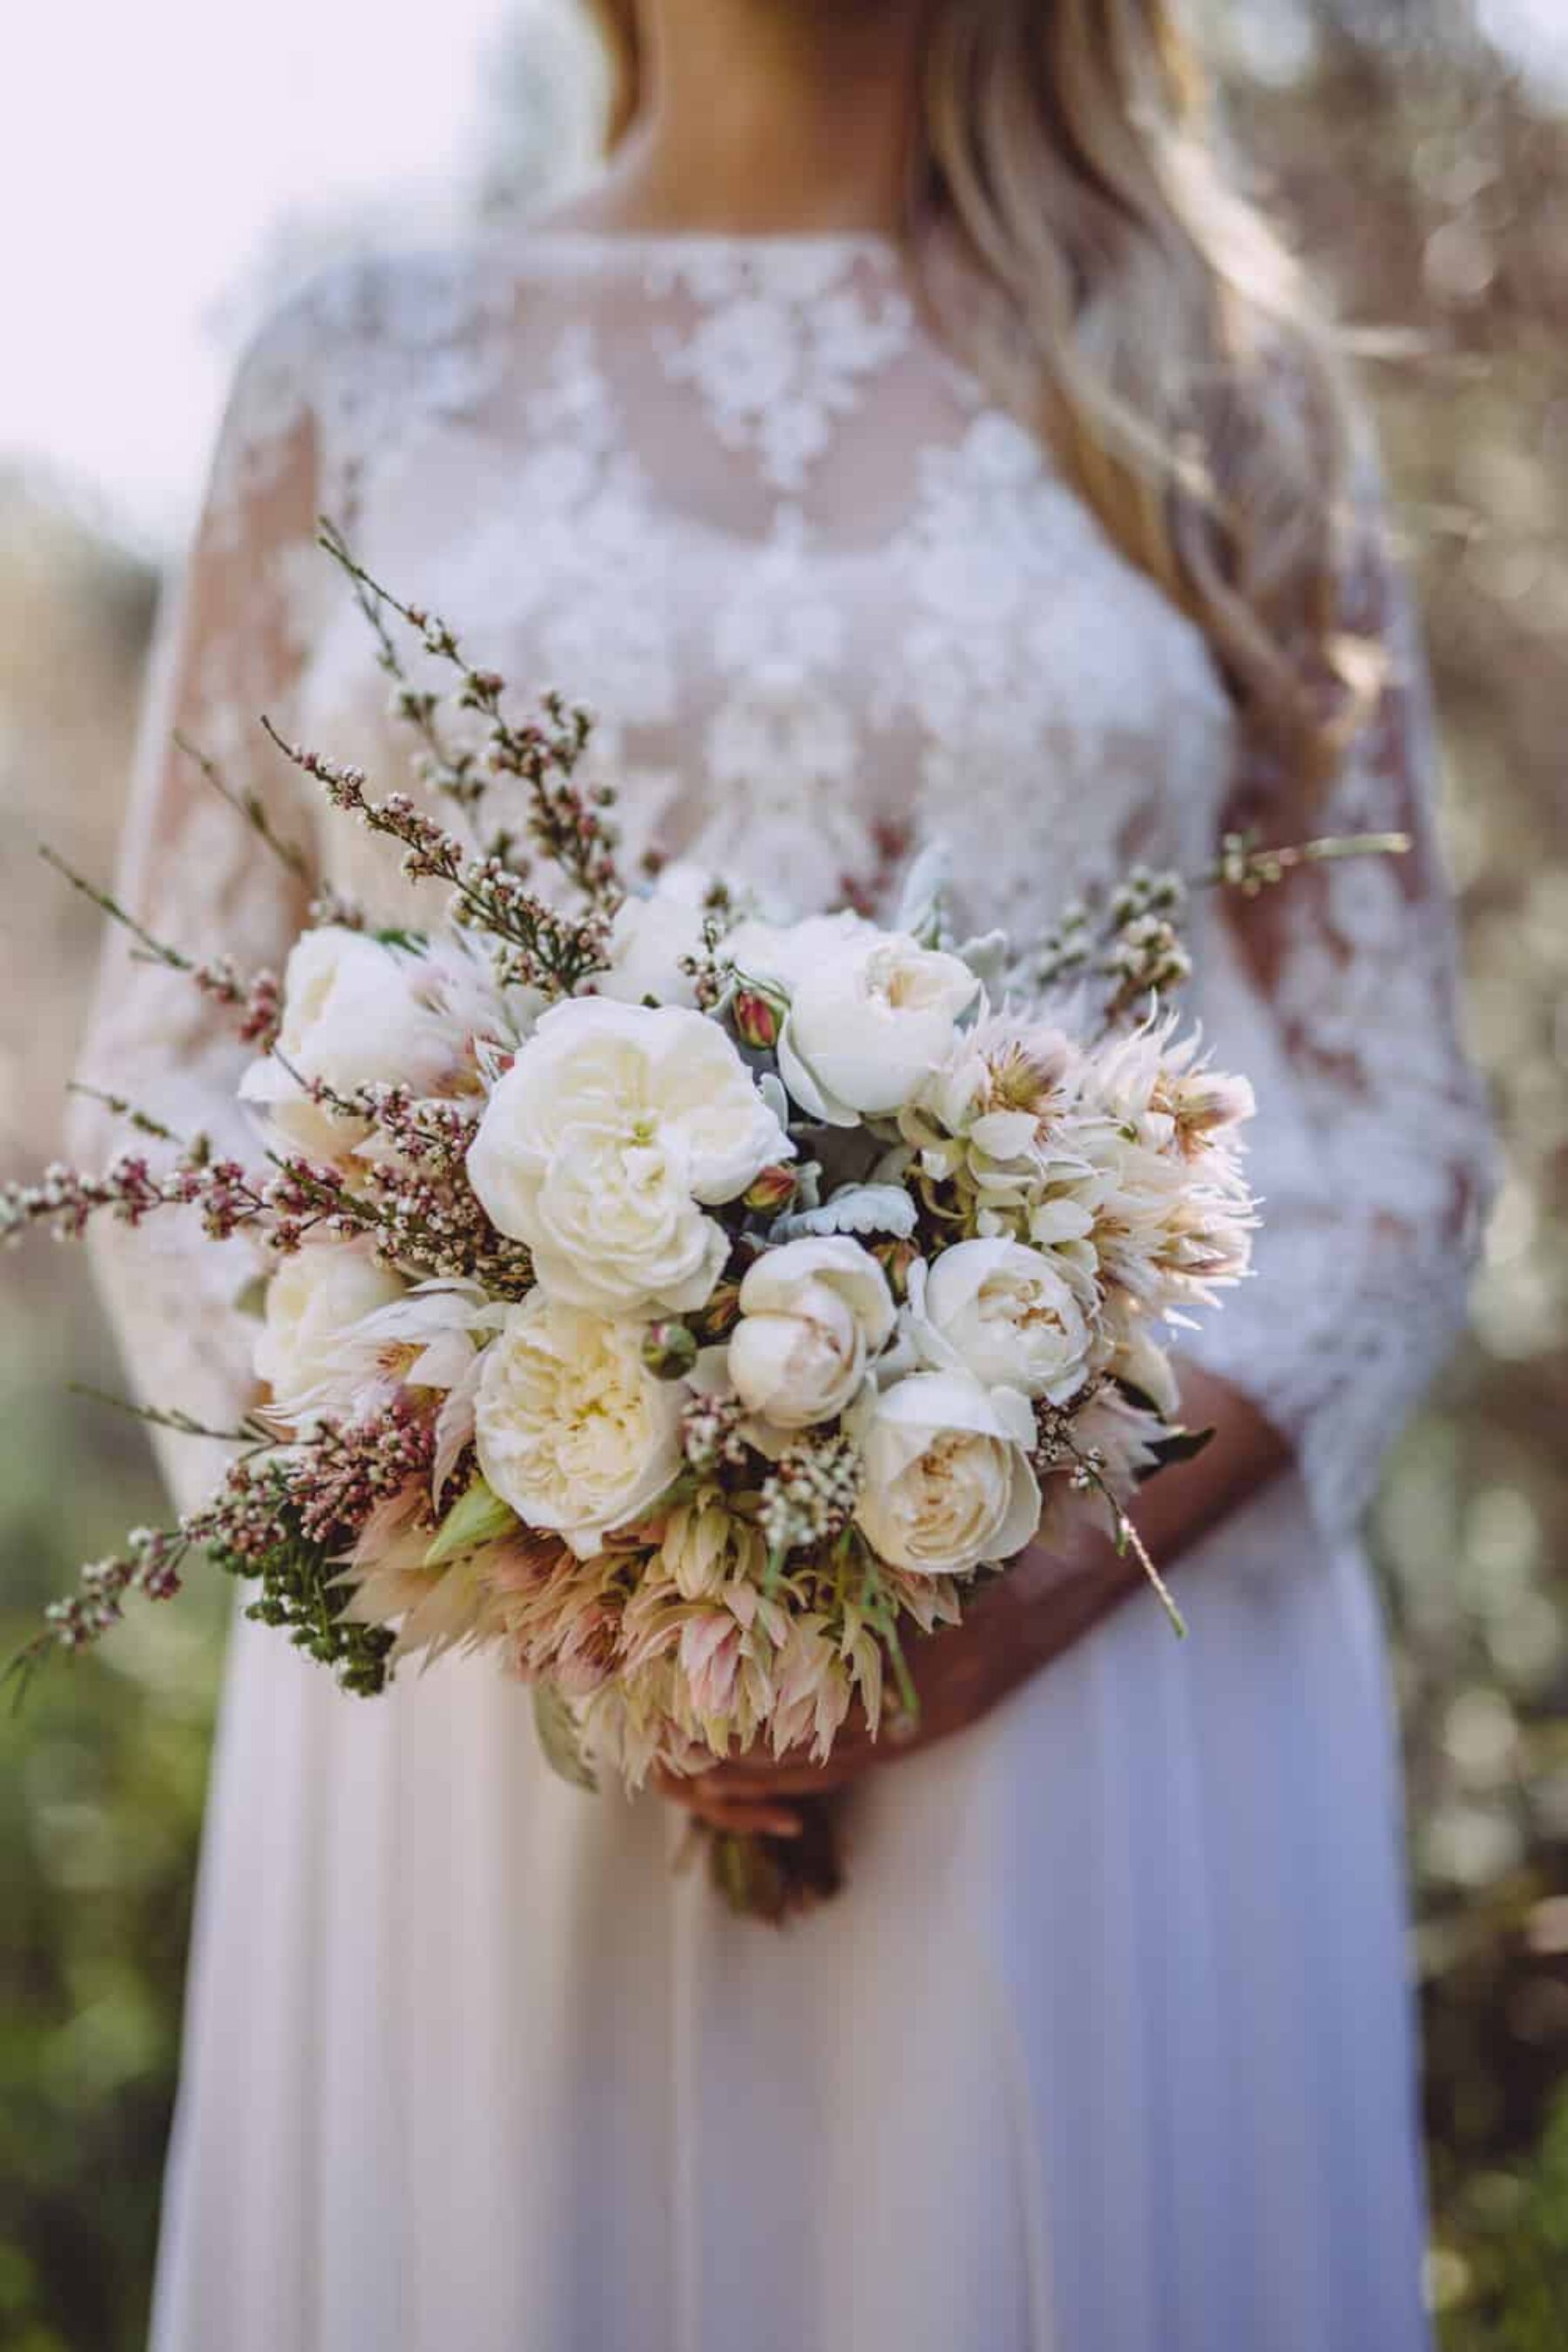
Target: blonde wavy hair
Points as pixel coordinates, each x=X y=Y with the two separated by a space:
x=1114 y=288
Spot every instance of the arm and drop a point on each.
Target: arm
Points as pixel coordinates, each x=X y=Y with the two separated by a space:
x=1336 y=994
x=193 y=872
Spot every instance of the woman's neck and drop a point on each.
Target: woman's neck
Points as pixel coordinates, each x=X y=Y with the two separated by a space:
x=759 y=115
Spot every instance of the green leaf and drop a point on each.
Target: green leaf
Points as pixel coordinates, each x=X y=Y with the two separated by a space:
x=477 y=1516
x=558 y=1737
x=1133 y=1393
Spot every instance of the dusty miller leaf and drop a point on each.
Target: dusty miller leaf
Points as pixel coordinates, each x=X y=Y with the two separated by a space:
x=857 y=1208
x=920 y=912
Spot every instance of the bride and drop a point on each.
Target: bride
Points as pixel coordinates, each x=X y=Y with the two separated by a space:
x=907 y=433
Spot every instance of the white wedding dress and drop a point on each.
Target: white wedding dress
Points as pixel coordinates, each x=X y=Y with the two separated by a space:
x=1106 y=2047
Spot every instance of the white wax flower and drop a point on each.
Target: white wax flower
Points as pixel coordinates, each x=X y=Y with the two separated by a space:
x=571 y=1427
x=811 y=1314
x=948 y=1481
x=599 y=1147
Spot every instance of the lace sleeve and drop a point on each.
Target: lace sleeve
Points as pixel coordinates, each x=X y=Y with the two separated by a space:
x=192 y=871
x=1371 y=1149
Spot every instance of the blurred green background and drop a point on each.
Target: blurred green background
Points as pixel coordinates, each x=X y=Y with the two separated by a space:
x=1419 y=149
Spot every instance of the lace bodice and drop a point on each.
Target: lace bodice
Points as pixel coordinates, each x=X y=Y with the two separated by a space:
x=826 y=601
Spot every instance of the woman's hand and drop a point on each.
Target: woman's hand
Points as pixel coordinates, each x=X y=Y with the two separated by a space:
x=1045 y=1603
x=1010 y=1628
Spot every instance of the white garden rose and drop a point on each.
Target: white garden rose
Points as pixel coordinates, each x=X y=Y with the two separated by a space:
x=613 y=1227
x=812 y=1313
x=781 y=954
x=315 y=1303
x=653 y=934
x=1003 y=1312
x=358 y=1012
x=868 y=1022
x=571 y=1427
x=599 y=1147
x=948 y=1481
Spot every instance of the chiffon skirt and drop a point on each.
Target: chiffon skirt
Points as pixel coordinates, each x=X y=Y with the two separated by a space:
x=1105 y=2048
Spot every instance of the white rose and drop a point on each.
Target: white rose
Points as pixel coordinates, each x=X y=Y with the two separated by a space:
x=652 y=935
x=869 y=1024
x=1003 y=1312
x=811 y=1313
x=948 y=1484
x=783 y=953
x=571 y=1427
x=614 y=1228
x=359 y=1011
x=597 y=1148
x=314 y=1301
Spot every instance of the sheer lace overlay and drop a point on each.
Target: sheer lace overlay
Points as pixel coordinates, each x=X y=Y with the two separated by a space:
x=827 y=602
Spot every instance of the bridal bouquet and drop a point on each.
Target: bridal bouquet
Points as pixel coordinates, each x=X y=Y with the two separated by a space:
x=687 y=1305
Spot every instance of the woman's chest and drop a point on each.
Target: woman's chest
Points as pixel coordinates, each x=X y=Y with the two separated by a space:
x=802 y=699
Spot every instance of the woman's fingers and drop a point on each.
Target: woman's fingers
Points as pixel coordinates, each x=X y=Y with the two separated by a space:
x=731 y=1784
x=753 y=1792
x=747 y=1813
x=795 y=1774
x=748 y=1819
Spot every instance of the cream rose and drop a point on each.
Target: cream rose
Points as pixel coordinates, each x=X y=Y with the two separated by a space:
x=811 y=1314
x=358 y=1012
x=600 y=1145
x=571 y=1427
x=1005 y=1313
x=614 y=1228
x=781 y=954
x=869 y=1022
x=309 y=1344
x=948 y=1484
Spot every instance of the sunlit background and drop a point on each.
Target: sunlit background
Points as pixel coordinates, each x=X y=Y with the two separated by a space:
x=166 y=171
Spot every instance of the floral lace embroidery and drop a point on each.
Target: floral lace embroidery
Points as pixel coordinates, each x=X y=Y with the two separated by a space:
x=1012 y=656
x=782 y=745
x=832 y=597
x=783 y=342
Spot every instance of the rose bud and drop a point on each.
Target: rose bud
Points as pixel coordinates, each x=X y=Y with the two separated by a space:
x=895 y=1258
x=722 y=1313
x=758 y=1016
x=669 y=1350
x=772 y=1190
